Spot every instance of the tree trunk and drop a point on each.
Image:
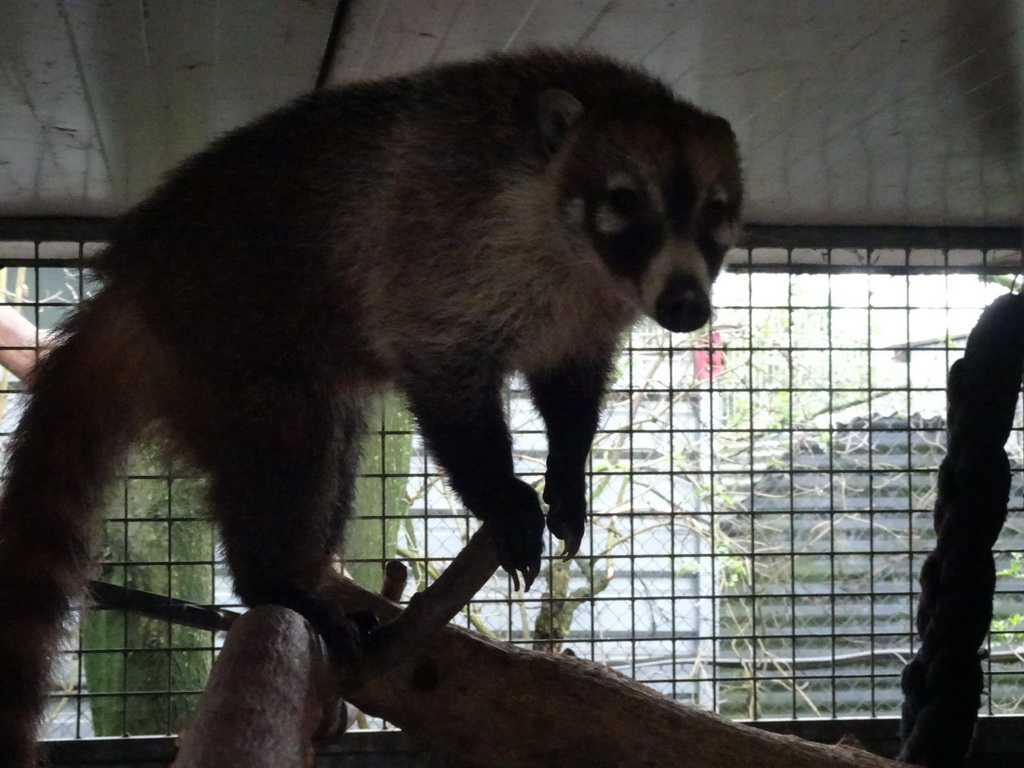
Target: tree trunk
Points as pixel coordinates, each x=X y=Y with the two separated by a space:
x=149 y=687
x=371 y=539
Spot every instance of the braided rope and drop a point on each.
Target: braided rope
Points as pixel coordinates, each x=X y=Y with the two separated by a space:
x=943 y=683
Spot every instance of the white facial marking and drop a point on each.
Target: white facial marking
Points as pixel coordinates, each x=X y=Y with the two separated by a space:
x=575 y=210
x=675 y=258
x=607 y=220
x=726 y=233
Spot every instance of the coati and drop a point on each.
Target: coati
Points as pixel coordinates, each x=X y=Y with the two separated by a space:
x=432 y=232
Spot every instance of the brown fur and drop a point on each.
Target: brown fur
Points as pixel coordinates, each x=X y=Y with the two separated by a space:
x=434 y=233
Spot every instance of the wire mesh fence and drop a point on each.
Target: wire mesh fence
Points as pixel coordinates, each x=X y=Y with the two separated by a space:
x=760 y=494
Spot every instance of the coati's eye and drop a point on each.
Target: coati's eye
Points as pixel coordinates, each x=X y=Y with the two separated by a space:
x=621 y=207
x=717 y=219
x=716 y=209
x=625 y=201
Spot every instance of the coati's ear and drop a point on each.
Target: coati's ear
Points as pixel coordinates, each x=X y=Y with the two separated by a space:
x=558 y=110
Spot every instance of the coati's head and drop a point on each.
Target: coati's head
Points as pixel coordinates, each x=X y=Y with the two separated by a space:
x=657 y=192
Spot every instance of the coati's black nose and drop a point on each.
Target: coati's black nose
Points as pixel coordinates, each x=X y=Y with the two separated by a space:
x=683 y=305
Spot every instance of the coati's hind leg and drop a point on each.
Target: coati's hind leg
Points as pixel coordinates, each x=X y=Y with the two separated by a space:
x=281 y=455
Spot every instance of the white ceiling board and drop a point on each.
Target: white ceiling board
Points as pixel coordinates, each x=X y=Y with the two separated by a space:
x=551 y=24
x=98 y=98
x=848 y=112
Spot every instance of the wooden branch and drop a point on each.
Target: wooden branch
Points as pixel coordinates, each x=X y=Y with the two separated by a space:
x=432 y=610
x=266 y=697
x=482 y=701
x=495 y=705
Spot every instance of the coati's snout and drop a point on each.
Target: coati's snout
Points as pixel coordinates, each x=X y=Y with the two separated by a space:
x=683 y=304
x=657 y=194
x=675 y=288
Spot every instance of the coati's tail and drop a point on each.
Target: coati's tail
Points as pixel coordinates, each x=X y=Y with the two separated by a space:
x=69 y=443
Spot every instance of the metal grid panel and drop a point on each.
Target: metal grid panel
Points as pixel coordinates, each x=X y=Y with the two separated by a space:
x=761 y=501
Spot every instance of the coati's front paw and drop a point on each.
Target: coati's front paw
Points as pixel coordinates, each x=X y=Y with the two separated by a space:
x=565 y=495
x=517 y=528
x=567 y=521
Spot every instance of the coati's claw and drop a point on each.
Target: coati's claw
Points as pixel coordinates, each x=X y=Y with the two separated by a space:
x=571 y=547
x=518 y=532
x=529 y=576
x=571 y=538
x=529 y=573
x=567 y=522
x=565 y=492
